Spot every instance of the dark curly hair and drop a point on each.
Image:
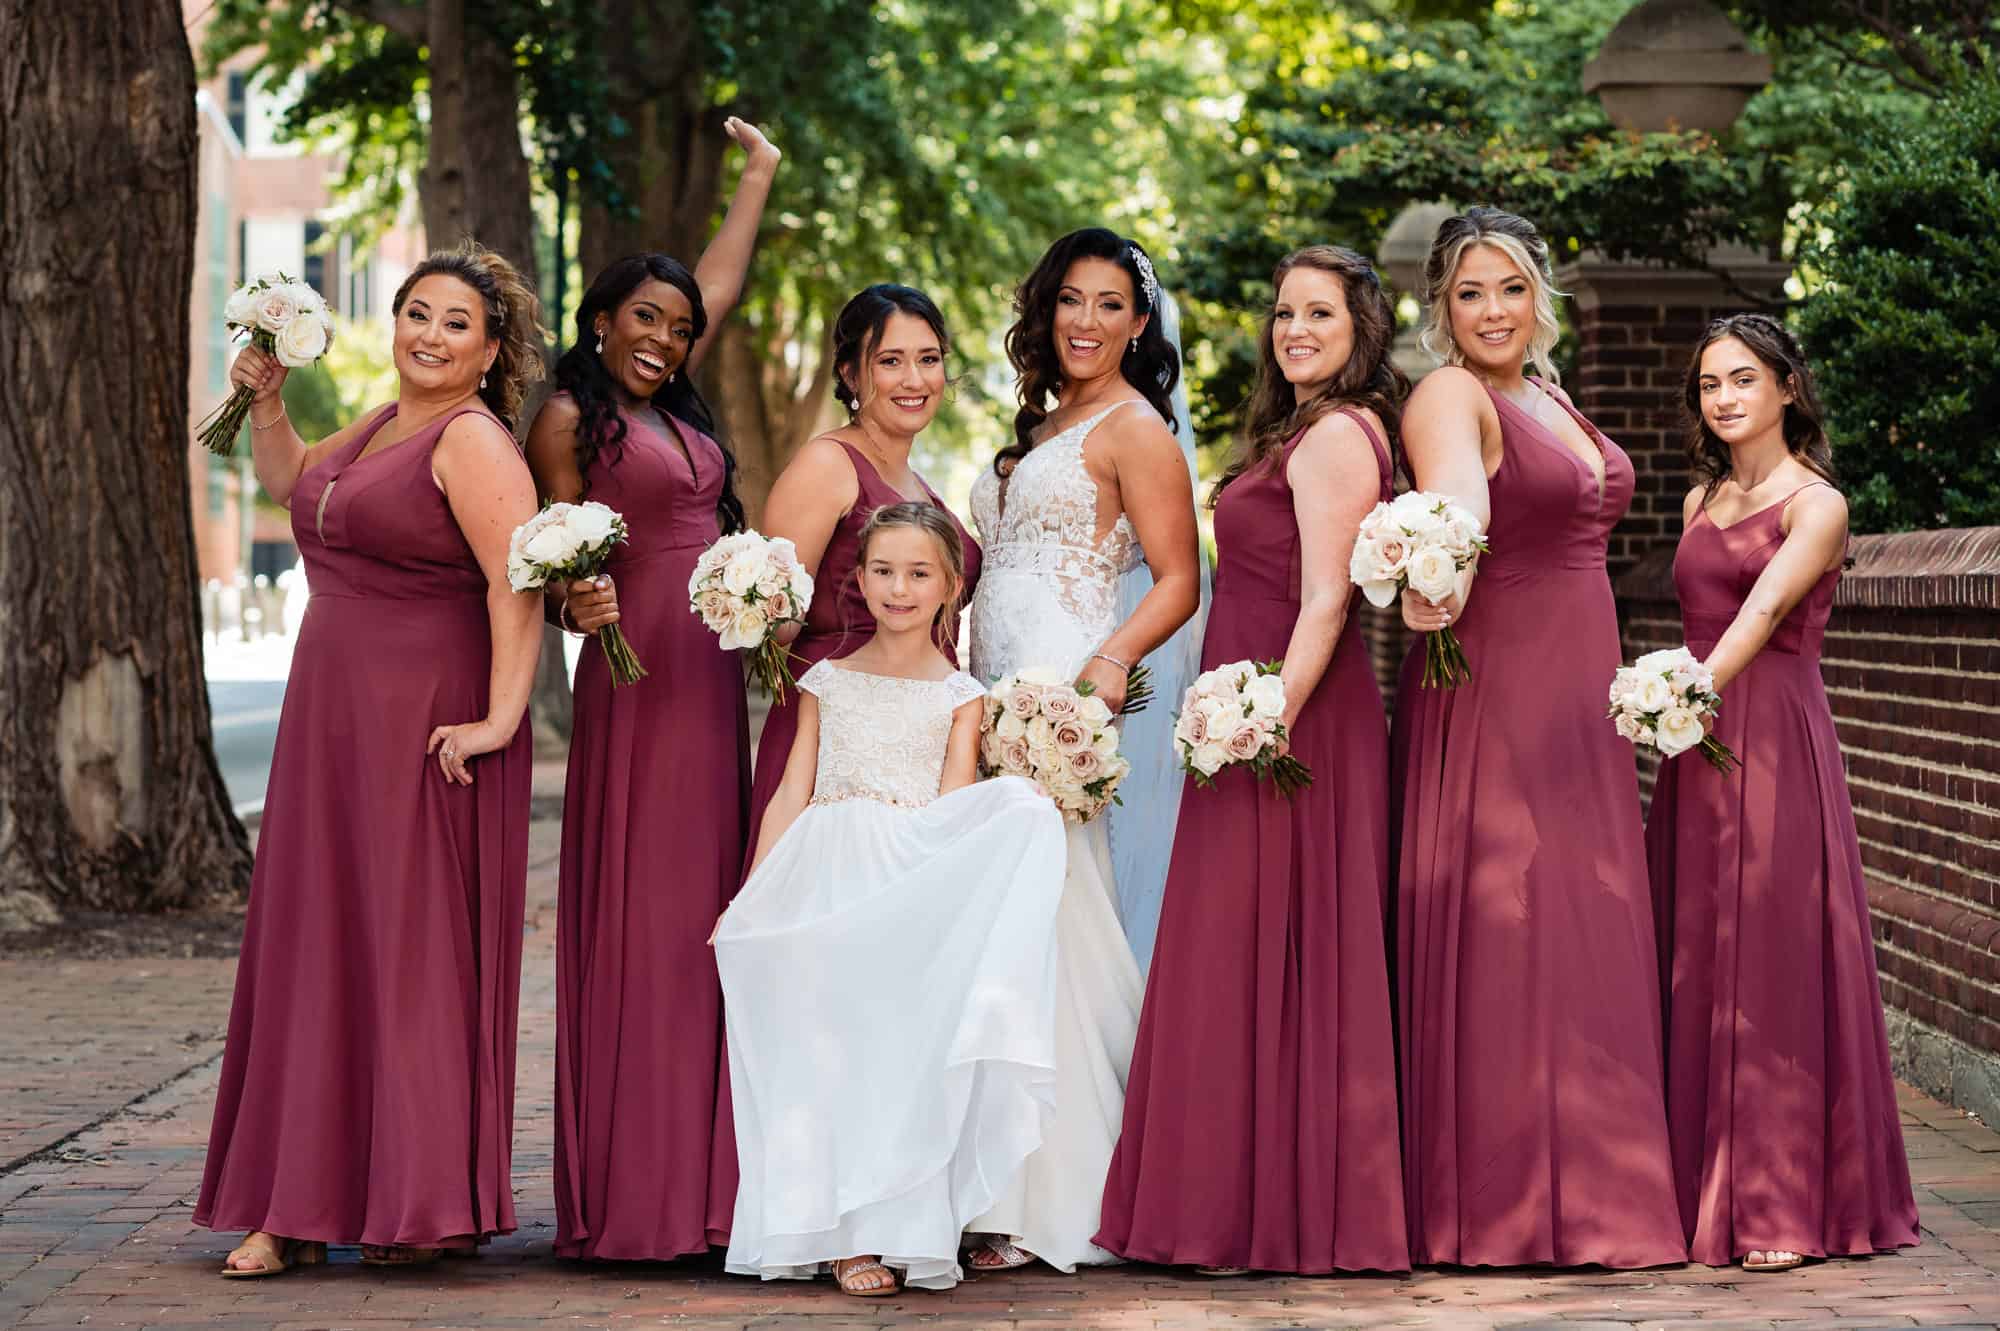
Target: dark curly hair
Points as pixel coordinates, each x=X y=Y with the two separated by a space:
x=600 y=429
x=857 y=331
x=1153 y=368
x=1773 y=344
x=1368 y=379
x=513 y=319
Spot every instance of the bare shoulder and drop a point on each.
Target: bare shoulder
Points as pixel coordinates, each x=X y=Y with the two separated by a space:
x=821 y=460
x=1336 y=449
x=559 y=413
x=1818 y=508
x=477 y=435
x=1450 y=388
x=1691 y=503
x=1137 y=432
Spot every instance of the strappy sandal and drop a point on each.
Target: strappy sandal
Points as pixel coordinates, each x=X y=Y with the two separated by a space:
x=1008 y=1253
x=275 y=1257
x=399 y=1254
x=848 y=1269
x=1768 y=1266
x=1220 y=1272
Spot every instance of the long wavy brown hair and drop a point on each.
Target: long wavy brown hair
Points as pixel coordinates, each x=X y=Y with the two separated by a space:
x=1153 y=368
x=1274 y=415
x=513 y=317
x=1805 y=428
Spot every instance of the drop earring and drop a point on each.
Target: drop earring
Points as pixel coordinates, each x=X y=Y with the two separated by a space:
x=482 y=381
x=600 y=344
x=1135 y=346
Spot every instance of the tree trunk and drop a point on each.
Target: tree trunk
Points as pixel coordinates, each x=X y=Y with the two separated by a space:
x=109 y=792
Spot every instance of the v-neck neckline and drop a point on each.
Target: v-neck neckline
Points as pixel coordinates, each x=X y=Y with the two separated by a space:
x=1553 y=440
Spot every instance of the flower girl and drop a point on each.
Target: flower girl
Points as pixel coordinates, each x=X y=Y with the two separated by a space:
x=888 y=970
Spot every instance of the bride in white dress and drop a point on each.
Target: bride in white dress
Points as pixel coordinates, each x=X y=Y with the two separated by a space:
x=1095 y=484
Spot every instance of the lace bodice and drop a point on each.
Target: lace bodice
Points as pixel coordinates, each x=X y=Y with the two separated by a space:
x=880 y=737
x=1040 y=523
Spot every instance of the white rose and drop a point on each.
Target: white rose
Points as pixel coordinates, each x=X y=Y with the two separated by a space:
x=747 y=629
x=300 y=342
x=1010 y=726
x=1094 y=710
x=1417 y=512
x=1650 y=694
x=1208 y=759
x=1664 y=660
x=1432 y=573
x=1461 y=532
x=1631 y=727
x=1622 y=685
x=783 y=552
x=276 y=308
x=552 y=546
x=1106 y=744
x=1266 y=695
x=592 y=524
x=1216 y=712
x=1679 y=730
x=521 y=576
x=739 y=575
x=241 y=309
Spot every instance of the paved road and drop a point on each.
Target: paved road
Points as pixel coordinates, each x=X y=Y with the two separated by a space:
x=245 y=713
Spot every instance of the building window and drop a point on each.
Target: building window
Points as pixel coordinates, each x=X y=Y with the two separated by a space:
x=242 y=251
x=315 y=260
x=237 y=110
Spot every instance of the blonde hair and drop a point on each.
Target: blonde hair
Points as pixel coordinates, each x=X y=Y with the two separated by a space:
x=1516 y=239
x=932 y=521
x=513 y=317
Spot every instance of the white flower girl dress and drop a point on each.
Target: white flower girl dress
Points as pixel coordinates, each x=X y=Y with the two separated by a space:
x=889 y=978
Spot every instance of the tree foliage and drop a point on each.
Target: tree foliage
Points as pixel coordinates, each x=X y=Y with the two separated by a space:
x=1903 y=327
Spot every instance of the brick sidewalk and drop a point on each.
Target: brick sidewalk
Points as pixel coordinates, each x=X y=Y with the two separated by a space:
x=94 y=1231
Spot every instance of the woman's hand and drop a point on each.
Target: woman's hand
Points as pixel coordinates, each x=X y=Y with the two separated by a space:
x=1421 y=614
x=592 y=603
x=259 y=372
x=763 y=152
x=1109 y=681
x=456 y=746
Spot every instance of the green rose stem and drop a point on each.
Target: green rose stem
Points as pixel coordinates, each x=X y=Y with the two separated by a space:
x=219 y=430
x=1445 y=666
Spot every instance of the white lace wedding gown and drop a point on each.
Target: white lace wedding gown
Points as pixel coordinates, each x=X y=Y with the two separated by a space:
x=889 y=987
x=1048 y=596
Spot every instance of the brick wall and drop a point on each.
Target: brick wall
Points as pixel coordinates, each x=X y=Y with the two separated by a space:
x=1912 y=668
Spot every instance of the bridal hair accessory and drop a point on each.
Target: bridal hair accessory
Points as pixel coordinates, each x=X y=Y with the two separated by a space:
x=1147 y=281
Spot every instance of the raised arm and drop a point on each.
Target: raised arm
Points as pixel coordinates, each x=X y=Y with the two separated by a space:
x=1157 y=496
x=1815 y=542
x=1451 y=435
x=490 y=493
x=814 y=492
x=277 y=453
x=726 y=261
x=1335 y=481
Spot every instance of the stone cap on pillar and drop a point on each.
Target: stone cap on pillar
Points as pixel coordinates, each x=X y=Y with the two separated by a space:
x=1407 y=243
x=1736 y=275
x=1675 y=64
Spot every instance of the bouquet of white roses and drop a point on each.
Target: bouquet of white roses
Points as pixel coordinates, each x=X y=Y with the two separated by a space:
x=1230 y=715
x=285 y=319
x=1053 y=732
x=564 y=542
x=1659 y=702
x=1421 y=541
x=746 y=587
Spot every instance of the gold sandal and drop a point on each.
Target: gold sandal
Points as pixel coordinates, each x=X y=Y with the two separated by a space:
x=275 y=1257
x=847 y=1267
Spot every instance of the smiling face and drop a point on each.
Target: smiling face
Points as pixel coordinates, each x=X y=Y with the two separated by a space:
x=902 y=376
x=1312 y=332
x=647 y=337
x=1094 y=321
x=905 y=578
x=1742 y=398
x=440 y=344
x=1492 y=304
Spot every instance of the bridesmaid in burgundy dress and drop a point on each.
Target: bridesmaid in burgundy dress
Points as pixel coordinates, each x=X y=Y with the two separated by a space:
x=1260 y=1115
x=889 y=349
x=659 y=771
x=1534 y=1123
x=367 y=1088
x=1780 y=1101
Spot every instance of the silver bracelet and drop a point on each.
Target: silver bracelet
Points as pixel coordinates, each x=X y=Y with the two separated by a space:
x=1100 y=656
x=256 y=424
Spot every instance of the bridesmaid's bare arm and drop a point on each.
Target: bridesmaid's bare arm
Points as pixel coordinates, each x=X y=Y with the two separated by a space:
x=277 y=453
x=490 y=493
x=795 y=787
x=814 y=492
x=961 y=753
x=1451 y=435
x=726 y=261
x=1815 y=543
x=1335 y=481
x=1155 y=492
x=591 y=602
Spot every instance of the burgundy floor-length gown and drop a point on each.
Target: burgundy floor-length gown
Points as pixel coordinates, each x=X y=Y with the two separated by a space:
x=652 y=850
x=367 y=1090
x=838 y=621
x=1534 y=1121
x=1260 y=1115
x=1780 y=1101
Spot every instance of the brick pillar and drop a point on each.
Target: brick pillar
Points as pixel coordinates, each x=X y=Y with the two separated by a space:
x=1636 y=325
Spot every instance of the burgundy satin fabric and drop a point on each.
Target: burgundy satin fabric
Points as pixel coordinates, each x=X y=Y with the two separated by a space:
x=1780 y=1100
x=367 y=1091
x=654 y=819
x=1534 y=1123
x=1260 y=1115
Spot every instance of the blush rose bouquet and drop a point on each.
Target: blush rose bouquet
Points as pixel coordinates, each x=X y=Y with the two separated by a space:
x=564 y=542
x=1664 y=700
x=1421 y=541
x=1229 y=717
x=283 y=318
x=1056 y=734
x=746 y=587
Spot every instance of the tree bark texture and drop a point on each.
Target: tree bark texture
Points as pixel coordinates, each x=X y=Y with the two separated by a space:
x=109 y=792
